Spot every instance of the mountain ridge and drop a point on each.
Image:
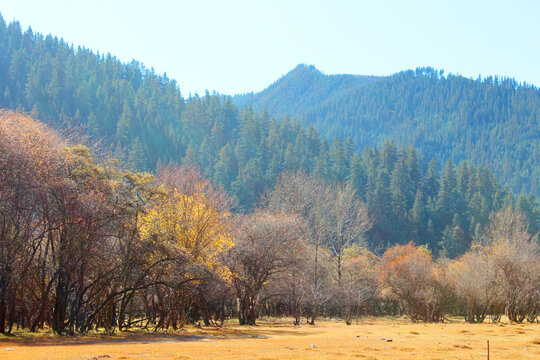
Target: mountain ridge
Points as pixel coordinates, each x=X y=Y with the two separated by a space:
x=310 y=74
x=492 y=122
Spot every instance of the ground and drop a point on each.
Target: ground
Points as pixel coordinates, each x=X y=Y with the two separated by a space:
x=366 y=339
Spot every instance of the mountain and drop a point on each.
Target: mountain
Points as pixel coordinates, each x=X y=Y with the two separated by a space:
x=142 y=119
x=299 y=90
x=492 y=122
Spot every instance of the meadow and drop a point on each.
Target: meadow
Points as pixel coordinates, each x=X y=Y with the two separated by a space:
x=371 y=338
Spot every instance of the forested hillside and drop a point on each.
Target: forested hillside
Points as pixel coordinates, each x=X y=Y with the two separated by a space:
x=491 y=122
x=86 y=246
x=126 y=106
x=142 y=118
x=134 y=208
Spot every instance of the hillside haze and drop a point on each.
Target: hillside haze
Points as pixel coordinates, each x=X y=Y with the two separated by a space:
x=493 y=122
x=300 y=89
x=141 y=118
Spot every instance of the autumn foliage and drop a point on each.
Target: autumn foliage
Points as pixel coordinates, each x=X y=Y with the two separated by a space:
x=189 y=225
x=409 y=276
x=86 y=245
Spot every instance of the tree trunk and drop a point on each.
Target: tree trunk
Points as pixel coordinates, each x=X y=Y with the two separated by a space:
x=222 y=315
x=3 y=306
x=314 y=314
x=60 y=303
x=241 y=312
x=247 y=313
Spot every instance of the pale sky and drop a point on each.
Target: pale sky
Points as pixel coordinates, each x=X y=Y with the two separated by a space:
x=242 y=46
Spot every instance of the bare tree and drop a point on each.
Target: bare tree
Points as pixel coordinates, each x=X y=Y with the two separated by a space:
x=266 y=244
x=347 y=221
x=359 y=284
x=335 y=219
x=473 y=280
x=307 y=197
x=408 y=275
x=516 y=262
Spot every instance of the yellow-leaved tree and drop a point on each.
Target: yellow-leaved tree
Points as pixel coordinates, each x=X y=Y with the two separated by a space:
x=190 y=225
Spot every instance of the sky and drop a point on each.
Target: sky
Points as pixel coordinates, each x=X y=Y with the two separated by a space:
x=242 y=46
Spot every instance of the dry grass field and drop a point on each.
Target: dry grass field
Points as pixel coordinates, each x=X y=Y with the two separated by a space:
x=366 y=339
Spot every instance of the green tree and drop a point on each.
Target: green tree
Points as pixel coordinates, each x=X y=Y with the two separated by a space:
x=225 y=169
x=137 y=159
x=454 y=241
x=418 y=218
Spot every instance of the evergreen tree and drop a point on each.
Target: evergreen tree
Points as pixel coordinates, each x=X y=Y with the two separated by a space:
x=338 y=159
x=124 y=127
x=454 y=241
x=191 y=156
x=357 y=177
x=446 y=205
x=418 y=218
x=322 y=165
x=225 y=169
x=379 y=207
x=412 y=174
x=137 y=159
x=398 y=186
x=529 y=206
x=431 y=184
x=389 y=155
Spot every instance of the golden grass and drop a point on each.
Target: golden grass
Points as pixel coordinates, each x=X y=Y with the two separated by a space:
x=366 y=339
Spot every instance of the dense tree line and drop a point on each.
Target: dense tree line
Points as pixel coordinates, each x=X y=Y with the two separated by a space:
x=142 y=118
x=86 y=246
x=264 y=217
x=491 y=121
x=126 y=106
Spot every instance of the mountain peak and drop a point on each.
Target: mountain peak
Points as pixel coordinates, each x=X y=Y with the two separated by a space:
x=305 y=68
x=301 y=72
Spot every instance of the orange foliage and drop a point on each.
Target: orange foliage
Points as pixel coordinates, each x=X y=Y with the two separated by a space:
x=398 y=259
x=36 y=148
x=408 y=276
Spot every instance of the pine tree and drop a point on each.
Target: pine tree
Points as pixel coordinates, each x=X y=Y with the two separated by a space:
x=357 y=176
x=431 y=183
x=380 y=209
x=291 y=158
x=338 y=161
x=413 y=175
x=92 y=124
x=349 y=150
x=137 y=159
x=389 y=155
x=191 y=156
x=529 y=206
x=447 y=200
x=397 y=188
x=225 y=170
x=124 y=126
x=322 y=165
x=398 y=185
x=454 y=241
x=418 y=218
x=313 y=142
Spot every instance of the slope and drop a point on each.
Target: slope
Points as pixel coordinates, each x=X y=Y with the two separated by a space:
x=492 y=122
